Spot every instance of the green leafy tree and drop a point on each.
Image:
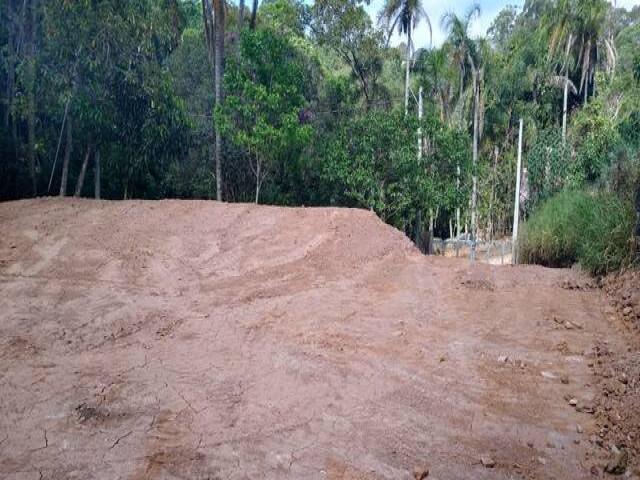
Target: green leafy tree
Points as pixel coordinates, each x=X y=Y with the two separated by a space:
x=264 y=107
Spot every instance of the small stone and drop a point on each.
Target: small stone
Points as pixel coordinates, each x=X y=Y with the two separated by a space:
x=579 y=429
x=627 y=311
x=618 y=463
x=542 y=460
x=530 y=444
x=420 y=473
x=488 y=462
x=573 y=402
x=549 y=375
x=576 y=441
x=551 y=445
x=503 y=359
x=565 y=379
x=595 y=471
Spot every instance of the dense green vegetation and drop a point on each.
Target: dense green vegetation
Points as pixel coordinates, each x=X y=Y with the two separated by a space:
x=295 y=103
x=574 y=226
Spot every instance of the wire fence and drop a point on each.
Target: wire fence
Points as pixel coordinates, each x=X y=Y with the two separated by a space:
x=494 y=252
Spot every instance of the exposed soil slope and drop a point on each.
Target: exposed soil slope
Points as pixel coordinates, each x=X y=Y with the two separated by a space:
x=201 y=340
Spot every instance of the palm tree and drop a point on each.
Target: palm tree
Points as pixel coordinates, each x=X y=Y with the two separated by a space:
x=462 y=45
x=576 y=28
x=591 y=15
x=464 y=55
x=558 y=22
x=436 y=76
x=405 y=15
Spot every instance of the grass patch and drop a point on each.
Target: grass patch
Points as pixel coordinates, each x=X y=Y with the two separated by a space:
x=573 y=226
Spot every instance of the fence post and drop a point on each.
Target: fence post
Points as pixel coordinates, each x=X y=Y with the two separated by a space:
x=516 y=208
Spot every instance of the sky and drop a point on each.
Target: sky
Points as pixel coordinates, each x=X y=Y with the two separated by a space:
x=435 y=10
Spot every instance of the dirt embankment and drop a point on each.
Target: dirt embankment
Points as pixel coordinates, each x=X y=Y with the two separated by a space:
x=203 y=340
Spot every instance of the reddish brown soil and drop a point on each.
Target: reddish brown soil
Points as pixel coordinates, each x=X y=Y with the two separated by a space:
x=200 y=340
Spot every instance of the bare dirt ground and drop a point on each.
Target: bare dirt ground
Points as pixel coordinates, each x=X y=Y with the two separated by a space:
x=199 y=340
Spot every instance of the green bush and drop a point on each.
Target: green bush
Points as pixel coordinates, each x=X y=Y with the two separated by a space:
x=572 y=226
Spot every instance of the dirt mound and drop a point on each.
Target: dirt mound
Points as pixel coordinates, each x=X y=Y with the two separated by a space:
x=203 y=340
x=149 y=240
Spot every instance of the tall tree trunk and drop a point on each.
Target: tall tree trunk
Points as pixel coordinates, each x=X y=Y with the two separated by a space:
x=219 y=11
x=408 y=64
x=458 y=207
x=31 y=140
x=586 y=88
x=492 y=198
x=258 y=182
x=96 y=176
x=637 y=229
x=254 y=13
x=11 y=65
x=31 y=114
x=241 y=15
x=83 y=172
x=67 y=157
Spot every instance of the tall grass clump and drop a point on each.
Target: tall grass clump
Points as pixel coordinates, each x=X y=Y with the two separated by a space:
x=593 y=230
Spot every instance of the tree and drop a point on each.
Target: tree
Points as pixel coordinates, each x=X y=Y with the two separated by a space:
x=436 y=75
x=462 y=46
x=345 y=27
x=466 y=58
x=262 y=112
x=405 y=15
x=214 y=23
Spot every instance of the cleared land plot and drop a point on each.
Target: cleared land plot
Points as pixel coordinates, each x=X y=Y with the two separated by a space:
x=201 y=340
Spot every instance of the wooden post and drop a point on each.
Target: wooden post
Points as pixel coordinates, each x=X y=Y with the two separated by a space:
x=516 y=208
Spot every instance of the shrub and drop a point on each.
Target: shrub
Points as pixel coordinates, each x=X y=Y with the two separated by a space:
x=573 y=226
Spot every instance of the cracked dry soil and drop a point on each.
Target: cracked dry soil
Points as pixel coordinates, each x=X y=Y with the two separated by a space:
x=199 y=340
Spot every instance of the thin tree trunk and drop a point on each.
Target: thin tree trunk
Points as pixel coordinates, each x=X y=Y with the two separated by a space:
x=31 y=119
x=254 y=13
x=408 y=64
x=96 y=188
x=83 y=172
x=31 y=140
x=209 y=35
x=11 y=66
x=258 y=182
x=458 y=207
x=67 y=157
x=493 y=192
x=241 y=15
x=586 y=89
x=219 y=10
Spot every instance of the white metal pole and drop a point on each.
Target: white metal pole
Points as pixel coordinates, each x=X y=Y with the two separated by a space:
x=420 y=108
x=516 y=208
x=564 y=110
